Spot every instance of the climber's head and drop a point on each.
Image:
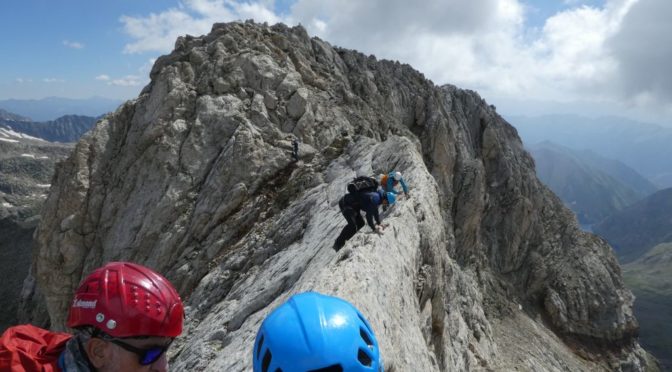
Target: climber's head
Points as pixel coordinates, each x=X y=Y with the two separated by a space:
x=129 y=314
x=312 y=331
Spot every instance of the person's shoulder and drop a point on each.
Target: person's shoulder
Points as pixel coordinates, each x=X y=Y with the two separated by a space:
x=30 y=348
x=29 y=329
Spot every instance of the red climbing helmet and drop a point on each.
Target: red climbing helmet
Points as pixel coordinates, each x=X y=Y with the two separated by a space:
x=124 y=299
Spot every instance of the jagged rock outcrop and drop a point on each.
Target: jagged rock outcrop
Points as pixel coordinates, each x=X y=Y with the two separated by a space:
x=26 y=167
x=481 y=269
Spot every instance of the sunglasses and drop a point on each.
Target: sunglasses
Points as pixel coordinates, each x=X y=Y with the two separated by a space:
x=147 y=355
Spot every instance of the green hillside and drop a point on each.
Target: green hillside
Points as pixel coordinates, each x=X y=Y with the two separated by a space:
x=592 y=186
x=638 y=228
x=650 y=279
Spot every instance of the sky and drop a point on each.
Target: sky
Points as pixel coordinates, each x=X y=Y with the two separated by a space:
x=527 y=57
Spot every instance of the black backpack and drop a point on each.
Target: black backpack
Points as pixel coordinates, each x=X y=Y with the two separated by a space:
x=362 y=184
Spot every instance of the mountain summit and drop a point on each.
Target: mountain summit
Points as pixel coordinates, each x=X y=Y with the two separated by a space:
x=482 y=268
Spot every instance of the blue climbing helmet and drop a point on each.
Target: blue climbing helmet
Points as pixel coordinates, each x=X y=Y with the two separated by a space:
x=314 y=332
x=389 y=197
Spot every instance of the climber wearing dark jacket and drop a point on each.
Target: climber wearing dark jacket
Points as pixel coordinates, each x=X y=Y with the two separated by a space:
x=352 y=204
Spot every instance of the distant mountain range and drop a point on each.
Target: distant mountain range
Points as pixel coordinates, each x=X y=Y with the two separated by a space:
x=28 y=154
x=650 y=278
x=51 y=108
x=6 y=115
x=644 y=147
x=592 y=186
x=639 y=227
x=64 y=129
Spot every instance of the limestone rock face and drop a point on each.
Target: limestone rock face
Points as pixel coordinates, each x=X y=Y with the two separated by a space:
x=482 y=268
x=26 y=166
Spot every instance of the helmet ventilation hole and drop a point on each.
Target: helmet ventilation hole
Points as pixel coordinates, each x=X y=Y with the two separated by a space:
x=364 y=358
x=261 y=343
x=365 y=337
x=364 y=322
x=334 y=368
x=266 y=362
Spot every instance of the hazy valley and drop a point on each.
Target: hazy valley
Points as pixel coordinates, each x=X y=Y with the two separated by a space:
x=616 y=202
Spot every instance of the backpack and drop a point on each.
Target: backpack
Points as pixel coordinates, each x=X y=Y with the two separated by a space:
x=383 y=181
x=29 y=348
x=362 y=184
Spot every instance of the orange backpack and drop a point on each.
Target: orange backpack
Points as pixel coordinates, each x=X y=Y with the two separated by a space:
x=383 y=182
x=31 y=349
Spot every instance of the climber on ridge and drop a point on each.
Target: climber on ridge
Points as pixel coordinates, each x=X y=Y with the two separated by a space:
x=295 y=149
x=362 y=196
x=314 y=332
x=390 y=181
x=125 y=317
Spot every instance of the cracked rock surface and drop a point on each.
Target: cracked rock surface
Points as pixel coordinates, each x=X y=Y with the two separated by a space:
x=482 y=268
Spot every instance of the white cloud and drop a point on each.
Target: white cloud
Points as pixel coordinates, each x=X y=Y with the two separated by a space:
x=643 y=51
x=486 y=45
x=147 y=67
x=53 y=80
x=20 y=80
x=127 y=81
x=130 y=80
x=256 y=11
x=158 y=32
x=73 y=44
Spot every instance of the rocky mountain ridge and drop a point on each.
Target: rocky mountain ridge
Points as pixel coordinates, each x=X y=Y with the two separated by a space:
x=26 y=167
x=51 y=108
x=482 y=268
x=65 y=129
x=6 y=115
x=591 y=186
x=638 y=228
x=640 y=146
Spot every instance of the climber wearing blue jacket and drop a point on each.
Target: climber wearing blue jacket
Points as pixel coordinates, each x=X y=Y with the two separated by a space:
x=391 y=180
x=352 y=204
